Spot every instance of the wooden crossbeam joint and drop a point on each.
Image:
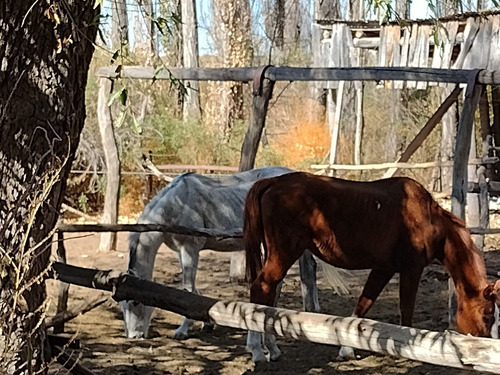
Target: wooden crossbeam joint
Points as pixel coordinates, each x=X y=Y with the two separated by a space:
x=258 y=79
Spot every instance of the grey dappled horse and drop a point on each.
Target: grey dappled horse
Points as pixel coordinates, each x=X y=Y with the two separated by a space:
x=198 y=201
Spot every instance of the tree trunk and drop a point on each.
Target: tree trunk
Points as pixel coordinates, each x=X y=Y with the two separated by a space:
x=326 y=9
x=150 y=29
x=234 y=20
x=403 y=9
x=119 y=30
x=191 y=103
x=357 y=9
x=46 y=51
x=282 y=21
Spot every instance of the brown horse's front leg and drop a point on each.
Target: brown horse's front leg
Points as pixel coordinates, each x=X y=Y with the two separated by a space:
x=408 y=287
x=377 y=280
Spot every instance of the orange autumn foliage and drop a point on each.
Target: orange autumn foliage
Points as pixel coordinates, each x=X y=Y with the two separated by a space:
x=306 y=141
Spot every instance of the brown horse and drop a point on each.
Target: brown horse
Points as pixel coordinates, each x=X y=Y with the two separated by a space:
x=388 y=226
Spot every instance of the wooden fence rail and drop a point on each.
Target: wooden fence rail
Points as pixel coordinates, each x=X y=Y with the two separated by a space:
x=399 y=165
x=487 y=77
x=202 y=232
x=177 y=229
x=445 y=349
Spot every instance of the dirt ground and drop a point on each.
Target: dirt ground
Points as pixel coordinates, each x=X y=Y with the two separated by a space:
x=105 y=350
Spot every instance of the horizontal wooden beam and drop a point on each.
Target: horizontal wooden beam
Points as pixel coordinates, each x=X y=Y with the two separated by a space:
x=441 y=348
x=367 y=74
x=431 y=164
x=203 y=232
x=374 y=42
x=302 y=74
x=193 y=74
x=177 y=229
x=478 y=230
x=194 y=167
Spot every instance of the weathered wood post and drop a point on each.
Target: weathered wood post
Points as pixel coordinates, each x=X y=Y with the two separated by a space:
x=460 y=175
x=62 y=298
x=262 y=93
x=359 y=125
x=483 y=172
x=110 y=214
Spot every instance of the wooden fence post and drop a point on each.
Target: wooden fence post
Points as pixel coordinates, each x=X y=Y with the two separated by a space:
x=110 y=214
x=62 y=299
x=460 y=175
x=263 y=90
x=262 y=93
x=359 y=124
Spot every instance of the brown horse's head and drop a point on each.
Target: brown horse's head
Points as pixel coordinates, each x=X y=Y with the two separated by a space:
x=480 y=316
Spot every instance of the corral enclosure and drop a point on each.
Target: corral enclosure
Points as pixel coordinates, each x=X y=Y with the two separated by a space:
x=297 y=135
x=107 y=351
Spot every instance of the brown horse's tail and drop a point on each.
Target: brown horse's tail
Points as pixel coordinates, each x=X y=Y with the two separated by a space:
x=253 y=230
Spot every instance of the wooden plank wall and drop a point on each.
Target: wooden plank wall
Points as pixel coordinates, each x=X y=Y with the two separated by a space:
x=470 y=44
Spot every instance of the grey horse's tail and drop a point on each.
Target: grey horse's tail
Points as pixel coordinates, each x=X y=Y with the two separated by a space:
x=253 y=231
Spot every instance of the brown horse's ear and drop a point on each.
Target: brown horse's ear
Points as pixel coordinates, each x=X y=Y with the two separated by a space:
x=497 y=285
x=490 y=293
x=496 y=289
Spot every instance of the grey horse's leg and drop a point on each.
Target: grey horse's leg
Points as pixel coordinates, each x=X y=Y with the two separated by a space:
x=308 y=267
x=263 y=345
x=188 y=257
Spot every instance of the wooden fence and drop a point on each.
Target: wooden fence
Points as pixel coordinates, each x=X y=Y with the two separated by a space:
x=445 y=349
x=264 y=78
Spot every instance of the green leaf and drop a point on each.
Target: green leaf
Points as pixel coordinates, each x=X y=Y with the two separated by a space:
x=160 y=23
x=113 y=97
x=123 y=96
x=115 y=56
x=435 y=35
x=121 y=119
x=158 y=73
x=101 y=35
x=136 y=127
x=176 y=18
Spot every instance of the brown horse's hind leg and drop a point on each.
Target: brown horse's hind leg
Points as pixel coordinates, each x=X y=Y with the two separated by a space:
x=408 y=287
x=264 y=291
x=377 y=280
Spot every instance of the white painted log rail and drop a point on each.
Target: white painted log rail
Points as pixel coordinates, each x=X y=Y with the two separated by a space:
x=440 y=348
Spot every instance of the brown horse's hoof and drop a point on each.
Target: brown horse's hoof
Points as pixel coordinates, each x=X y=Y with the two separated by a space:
x=238 y=280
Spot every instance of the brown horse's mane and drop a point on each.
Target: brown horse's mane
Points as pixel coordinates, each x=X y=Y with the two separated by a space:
x=451 y=216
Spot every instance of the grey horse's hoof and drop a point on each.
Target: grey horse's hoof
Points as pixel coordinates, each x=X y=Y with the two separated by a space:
x=346 y=353
x=180 y=335
x=207 y=327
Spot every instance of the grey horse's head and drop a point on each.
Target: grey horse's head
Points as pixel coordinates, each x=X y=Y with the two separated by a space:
x=137 y=318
